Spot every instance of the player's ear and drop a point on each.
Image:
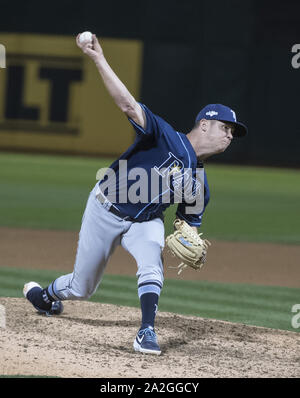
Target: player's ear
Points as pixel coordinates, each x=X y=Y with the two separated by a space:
x=204 y=124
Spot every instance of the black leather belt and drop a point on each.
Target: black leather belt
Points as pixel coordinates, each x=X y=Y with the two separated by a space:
x=114 y=210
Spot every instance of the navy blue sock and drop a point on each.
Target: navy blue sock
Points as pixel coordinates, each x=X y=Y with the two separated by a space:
x=38 y=299
x=149 y=305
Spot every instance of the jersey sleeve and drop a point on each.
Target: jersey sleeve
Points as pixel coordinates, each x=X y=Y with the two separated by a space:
x=154 y=124
x=195 y=220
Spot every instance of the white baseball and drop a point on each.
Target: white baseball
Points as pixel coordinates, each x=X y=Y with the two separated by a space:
x=85 y=36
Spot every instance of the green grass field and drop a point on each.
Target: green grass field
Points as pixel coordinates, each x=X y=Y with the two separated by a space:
x=247 y=204
x=266 y=306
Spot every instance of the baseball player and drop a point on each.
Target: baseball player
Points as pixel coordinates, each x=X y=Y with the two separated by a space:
x=110 y=220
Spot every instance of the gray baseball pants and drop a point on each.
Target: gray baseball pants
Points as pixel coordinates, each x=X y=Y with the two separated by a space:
x=101 y=231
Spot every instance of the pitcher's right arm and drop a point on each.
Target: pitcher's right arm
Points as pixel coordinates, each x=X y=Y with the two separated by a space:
x=118 y=91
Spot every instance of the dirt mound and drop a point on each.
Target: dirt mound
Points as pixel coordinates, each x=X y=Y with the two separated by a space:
x=95 y=340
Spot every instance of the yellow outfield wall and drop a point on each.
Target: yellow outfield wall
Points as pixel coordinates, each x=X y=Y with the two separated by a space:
x=53 y=99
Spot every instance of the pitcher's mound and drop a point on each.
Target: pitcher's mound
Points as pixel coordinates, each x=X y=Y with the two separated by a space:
x=95 y=340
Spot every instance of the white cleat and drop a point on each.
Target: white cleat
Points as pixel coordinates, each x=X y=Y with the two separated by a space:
x=28 y=286
x=56 y=306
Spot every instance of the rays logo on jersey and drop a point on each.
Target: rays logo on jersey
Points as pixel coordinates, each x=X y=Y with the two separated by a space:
x=172 y=165
x=179 y=180
x=171 y=171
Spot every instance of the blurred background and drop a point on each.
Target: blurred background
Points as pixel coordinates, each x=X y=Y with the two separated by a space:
x=58 y=126
x=175 y=56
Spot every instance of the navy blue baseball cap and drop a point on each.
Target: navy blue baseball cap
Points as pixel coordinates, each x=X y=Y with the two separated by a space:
x=223 y=114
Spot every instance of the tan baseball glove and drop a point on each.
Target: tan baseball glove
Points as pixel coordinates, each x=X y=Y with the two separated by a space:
x=188 y=246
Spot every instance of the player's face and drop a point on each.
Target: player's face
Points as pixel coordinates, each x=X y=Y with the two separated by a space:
x=220 y=134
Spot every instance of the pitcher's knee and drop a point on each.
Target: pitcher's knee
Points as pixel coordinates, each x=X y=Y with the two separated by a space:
x=85 y=294
x=151 y=254
x=82 y=292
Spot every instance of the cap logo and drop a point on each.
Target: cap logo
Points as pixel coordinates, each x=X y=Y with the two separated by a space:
x=211 y=113
x=234 y=115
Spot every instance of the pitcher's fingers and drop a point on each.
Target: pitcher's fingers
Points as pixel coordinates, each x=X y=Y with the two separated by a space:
x=96 y=42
